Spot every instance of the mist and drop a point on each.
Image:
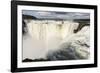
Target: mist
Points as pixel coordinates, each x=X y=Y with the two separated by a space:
x=44 y=37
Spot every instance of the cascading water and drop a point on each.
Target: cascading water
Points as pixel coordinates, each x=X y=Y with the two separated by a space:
x=45 y=36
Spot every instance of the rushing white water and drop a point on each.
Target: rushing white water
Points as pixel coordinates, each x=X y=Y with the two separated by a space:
x=80 y=42
x=48 y=35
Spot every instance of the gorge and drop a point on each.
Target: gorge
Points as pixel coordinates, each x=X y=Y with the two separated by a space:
x=49 y=40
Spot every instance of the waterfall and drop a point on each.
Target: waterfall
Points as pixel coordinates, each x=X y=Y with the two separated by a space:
x=45 y=35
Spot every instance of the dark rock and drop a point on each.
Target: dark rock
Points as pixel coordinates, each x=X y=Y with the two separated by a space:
x=27 y=60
